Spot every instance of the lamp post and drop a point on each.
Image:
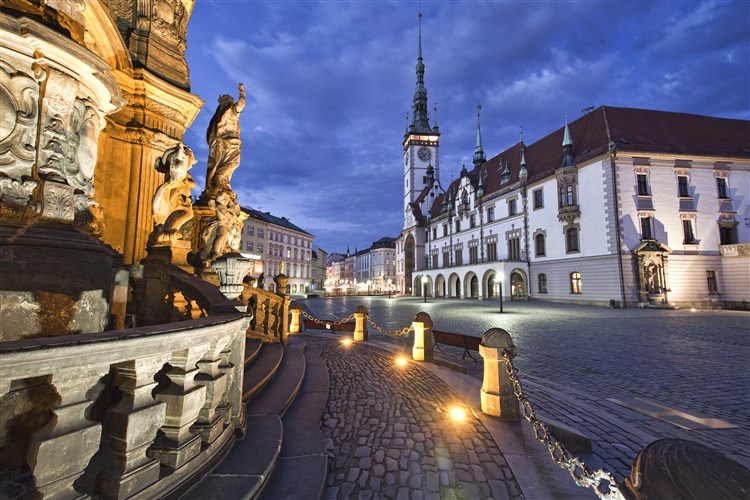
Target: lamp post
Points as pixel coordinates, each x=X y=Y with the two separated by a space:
x=389 y=288
x=424 y=288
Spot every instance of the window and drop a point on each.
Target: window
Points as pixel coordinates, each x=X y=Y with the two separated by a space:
x=459 y=257
x=687 y=232
x=249 y=246
x=514 y=248
x=539 y=245
x=473 y=255
x=434 y=233
x=473 y=221
x=250 y=230
x=260 y=233
x=511 y=207
x=711 y=281
x=260 y=248
x=646 y=225
x=446 y=258
x=490 y=214
x=458 y=225
x=434 y=261
x=445 y=230
x=288 y=252
x=567 y=198
x=492 y=251
x=571 y=240
x=575 y=282
x=642 y=184
x=683 y=190
x=542 y=283
x=538 y=198
x=721 y=187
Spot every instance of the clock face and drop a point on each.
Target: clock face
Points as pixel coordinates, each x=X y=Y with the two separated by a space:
x=424 y=154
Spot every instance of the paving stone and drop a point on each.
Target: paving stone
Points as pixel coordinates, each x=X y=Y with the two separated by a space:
x=378 y=470
x=432 y=481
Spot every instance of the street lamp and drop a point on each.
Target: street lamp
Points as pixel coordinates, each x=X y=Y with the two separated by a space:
x=389 y=288
x=500 y=288
x=424 y=288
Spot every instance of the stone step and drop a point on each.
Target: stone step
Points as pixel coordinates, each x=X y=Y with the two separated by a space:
x=276 y=395
x=252 y=348
x=301 y=471
x=245 y=470
x=262 y=369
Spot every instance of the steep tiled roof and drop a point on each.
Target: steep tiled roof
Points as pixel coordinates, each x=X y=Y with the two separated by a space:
x=631 y=130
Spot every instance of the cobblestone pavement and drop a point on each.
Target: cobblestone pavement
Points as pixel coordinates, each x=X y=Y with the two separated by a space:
x=389 y=434
x=575 y=360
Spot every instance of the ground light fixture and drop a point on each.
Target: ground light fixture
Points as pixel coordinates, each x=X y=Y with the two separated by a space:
x=457 y=414
x=346 y=342
x=401 y=361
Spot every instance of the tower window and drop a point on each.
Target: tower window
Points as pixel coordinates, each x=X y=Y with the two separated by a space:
x=646 y=224
x=721 y=187
x=643 y=185
x=683 y=190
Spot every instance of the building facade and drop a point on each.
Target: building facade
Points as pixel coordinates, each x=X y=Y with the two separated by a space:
x=319 y=258
x=622 y=207
x=282 y=247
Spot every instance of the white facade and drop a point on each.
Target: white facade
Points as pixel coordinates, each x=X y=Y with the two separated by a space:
x=675 y=242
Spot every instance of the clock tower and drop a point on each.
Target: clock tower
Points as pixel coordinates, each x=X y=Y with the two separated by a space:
x=421 y=144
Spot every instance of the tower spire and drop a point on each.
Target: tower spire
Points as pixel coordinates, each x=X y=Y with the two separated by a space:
x=568 y=159
x=479 y=156
x=420 y=122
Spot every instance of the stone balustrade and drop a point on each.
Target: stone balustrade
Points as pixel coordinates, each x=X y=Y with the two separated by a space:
x=121 y=412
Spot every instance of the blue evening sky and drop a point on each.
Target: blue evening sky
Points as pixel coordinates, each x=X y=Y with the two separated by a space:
x=329 y=84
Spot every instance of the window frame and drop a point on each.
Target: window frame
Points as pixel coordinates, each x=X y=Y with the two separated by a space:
x=576 y=283
x=722 y=188
x=683 y=186
x=542 y=283
x=642 y=188
x=647 y=226
x=568 y=247
x=538 y=203
x=712 y=282
x=540 y=252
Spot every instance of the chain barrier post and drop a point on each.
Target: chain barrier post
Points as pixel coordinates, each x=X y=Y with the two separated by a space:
x=497 y=395
x=422 y=326
x=360 y=328
x=294 y=326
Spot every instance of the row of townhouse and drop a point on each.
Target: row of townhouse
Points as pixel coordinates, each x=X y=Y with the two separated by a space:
x=372 y=270
x=277 y=245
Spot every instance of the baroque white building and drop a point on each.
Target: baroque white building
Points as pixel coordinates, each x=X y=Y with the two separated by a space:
x=624 y=207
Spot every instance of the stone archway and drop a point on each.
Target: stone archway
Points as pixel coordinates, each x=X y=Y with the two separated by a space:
x=454 y=286
x=489 y=284
x=417 y=286
x=471 y=285
x=439 y=286
x=518 y=288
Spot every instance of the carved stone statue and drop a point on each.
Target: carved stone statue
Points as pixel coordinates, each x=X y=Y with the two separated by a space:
x=172 y=206
x=221 y=234
x=223 y=137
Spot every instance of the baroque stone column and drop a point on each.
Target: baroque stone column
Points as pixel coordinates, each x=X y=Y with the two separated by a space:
x=210 y=422
x=176 y=444
x=59 y=453
x=130 y=427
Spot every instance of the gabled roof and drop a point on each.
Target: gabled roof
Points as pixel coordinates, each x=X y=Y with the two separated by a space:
x=631 y=130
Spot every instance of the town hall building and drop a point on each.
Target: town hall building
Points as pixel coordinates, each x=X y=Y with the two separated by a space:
x=621 y=207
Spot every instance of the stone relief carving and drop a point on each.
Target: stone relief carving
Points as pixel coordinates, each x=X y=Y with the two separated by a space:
x=172 y=205
x=223 y=137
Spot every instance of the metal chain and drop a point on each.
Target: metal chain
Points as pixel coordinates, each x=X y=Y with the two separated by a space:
x=395 y=333
x=327 y=323
x=602 y=482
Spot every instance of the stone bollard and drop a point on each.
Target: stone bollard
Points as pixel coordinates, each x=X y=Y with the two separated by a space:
x=360 y=328
x=497 y=394
x=422 y=325
x=294 y=326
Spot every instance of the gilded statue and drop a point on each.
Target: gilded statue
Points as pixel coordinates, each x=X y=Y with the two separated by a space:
x=223 y=137
x=172 y=206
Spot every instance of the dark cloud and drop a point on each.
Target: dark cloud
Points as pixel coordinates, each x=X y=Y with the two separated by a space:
x=329 y=83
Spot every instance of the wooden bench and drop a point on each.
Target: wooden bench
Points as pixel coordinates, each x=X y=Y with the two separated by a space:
x=466 y=342
x=343 y=327
x=309 y=324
